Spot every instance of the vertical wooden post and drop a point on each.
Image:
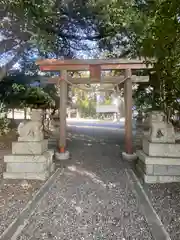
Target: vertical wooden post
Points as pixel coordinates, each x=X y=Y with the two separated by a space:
x=63 y=107
x=128 y=111
x=25 y=113
x=12 y=113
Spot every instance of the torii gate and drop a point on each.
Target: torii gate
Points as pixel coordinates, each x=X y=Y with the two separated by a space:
x=95 y=67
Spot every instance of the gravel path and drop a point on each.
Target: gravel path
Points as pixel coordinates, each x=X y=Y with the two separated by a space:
x=14 y=194
x=166 y=201
x=92 y=199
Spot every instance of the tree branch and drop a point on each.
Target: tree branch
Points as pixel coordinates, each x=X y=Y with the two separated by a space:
x=7 y=45
x=72 y=36
x=9 y=65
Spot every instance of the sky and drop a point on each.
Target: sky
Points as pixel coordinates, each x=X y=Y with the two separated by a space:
x=88 y=54
x=93 y=53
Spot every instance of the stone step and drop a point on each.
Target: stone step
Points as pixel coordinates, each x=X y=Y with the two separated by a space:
x=26 y=175
x=158 y=170
x=24 y=158
x=33 y=148
x=30 y=175
x=156 y=179
x=157 y=160
x=161 y=149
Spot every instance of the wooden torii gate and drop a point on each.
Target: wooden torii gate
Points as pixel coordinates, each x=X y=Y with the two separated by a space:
x=95 y=67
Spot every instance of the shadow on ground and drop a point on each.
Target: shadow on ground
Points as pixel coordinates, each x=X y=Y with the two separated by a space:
x=97 y=151
x=92 y=198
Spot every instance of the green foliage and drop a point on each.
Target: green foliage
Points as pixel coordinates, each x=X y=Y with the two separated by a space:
x=15 y=93
x=132 y=28
x=52 y=91
x=4 y=121
x=150 y=29
x=107 y=101
x=121 y=25
x=54 y=27
x=162 y=42
x=87 y=107
x=4 y=125
x=145 y=99
x=35 y=97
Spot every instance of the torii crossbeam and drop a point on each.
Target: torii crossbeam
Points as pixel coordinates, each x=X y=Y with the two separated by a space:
x=95 y=66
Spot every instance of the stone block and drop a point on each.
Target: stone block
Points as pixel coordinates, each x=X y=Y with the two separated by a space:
x=161 y=166
x=29 y=158
x=28 y=163
x=26 y=167
x=146 y=168
x=157 y=160
x=30 y=139
x=157 y=179
x=167 y=170
x=129 y=157
x=25 y=175
x=32 y=148
x=62 y=156
x=161 y=149
x=29 y=170
x=160 y=131
x=160 y=170
x=161 y=179
x=173 y=170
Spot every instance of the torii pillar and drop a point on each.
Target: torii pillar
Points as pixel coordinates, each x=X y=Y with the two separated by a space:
x=62 y=153
x=128 y=154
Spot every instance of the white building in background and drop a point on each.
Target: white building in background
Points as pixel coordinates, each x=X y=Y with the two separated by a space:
x=106 y=108
x=116 y=106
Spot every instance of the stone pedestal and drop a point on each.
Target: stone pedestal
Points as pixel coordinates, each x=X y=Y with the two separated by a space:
x=129 y=157
x=159 y=159
x=30 y=158
x=62 y=156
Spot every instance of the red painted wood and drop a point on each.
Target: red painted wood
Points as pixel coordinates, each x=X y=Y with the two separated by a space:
x=95 y=71
x=128 y=112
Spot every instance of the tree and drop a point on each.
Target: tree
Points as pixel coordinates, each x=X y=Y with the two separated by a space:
x=121 y=25
x=162 y=42
x=52 y=91
x=147 y=29
x=55 y=28
x=17 y=92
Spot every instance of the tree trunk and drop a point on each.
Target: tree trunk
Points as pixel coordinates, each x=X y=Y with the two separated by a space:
x=78 y=114
x=53 y=112
x=13 y=113
x=25 y=113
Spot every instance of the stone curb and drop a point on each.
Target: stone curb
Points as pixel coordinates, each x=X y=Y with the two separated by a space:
x=157 y=228
x=15 y=228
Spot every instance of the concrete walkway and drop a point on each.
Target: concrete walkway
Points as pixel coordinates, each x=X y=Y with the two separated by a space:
x=93 y=197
